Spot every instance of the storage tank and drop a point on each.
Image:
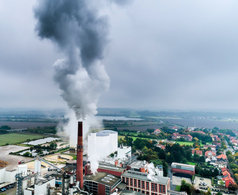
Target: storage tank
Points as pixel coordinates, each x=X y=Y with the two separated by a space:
x=102 y=143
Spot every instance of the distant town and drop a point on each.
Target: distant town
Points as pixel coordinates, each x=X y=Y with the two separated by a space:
x=142 y=155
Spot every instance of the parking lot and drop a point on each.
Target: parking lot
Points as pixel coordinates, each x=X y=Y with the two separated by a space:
x=201 y=182
x=6 y=188
x=176 y=181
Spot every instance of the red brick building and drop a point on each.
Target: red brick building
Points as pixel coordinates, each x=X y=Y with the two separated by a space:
x=140 y=182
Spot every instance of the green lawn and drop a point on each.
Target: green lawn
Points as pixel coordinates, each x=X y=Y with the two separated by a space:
x=185 y=143
x=16 y=138
x=134 y=138
x=191 y=163
x=178 y=188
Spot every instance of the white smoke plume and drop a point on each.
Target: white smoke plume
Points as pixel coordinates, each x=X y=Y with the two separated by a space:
x=80 y=33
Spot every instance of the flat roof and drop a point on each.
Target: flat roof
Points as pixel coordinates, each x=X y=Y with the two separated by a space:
x=143 y=176
x=137 y=164
x=103 y=178
x=183 y=166
x=110 y=167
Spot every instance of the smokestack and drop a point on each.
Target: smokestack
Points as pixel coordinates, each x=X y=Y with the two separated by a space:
x=79 y=171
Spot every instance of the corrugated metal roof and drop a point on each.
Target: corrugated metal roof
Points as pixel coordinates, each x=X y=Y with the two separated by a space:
x=183 y=166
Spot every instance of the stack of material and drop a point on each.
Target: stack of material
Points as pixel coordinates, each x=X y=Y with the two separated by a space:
x=3 y=164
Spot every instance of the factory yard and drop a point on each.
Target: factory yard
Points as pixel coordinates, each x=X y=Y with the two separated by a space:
x=16 y=138
x=12 y=160
x=176 y=181
x=59 y=158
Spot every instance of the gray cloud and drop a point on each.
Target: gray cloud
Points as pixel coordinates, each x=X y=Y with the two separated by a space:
x=161 y=54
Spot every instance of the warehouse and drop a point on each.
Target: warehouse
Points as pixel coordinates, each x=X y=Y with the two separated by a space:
x=183 y=169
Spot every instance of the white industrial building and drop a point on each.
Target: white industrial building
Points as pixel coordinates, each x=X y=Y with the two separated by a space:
x=40 y=187
x=102 y=143
x=124 y=152
x=9 y=176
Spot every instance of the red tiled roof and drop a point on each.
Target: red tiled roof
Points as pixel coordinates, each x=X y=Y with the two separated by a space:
x=209 y=152
x=198 y=152
x=222 y=156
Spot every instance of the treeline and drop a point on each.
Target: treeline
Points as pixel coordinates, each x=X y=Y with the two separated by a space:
x=4 y=129
x=43 y=130
x=202 y=137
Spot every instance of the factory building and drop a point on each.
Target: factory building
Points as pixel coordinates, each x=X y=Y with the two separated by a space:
x=183 y=169
x=101 y=183
x=9 y=176
x=113 y=170
x=41 y=187
x=102 y=143
x=124 y=152
x=143 y=183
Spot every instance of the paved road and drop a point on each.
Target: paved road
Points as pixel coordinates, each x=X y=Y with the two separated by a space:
x=170 y=175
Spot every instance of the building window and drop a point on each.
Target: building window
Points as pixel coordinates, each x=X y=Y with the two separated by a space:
x=131 y=182
x=160 y=188
x=138 y=183
x=147 y=185
x=135 y=182
x=163 y=188
x=143 y=185
x=155 y=185
x=152 y=187
x=127 y=181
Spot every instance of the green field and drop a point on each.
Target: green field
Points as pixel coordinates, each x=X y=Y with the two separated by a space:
x=184 y=143
x=134 y=138
x=16 y=138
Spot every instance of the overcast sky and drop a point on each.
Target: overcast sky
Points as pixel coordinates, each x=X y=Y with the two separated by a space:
x=162 y=54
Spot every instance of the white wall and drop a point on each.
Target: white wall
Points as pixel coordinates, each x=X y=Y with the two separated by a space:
x=10 y=176
x=22 y=169
x=102 y=145
x=27 y=192
x=124 y=152
x=2 y=173
x=42 y=189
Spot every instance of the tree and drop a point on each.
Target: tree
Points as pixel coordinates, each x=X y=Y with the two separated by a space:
x=185 y=187
x=27 y=154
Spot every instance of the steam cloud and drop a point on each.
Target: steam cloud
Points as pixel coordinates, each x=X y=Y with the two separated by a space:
x=81 y=34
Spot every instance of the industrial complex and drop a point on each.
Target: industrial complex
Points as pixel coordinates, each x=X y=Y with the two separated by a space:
x=117 y=171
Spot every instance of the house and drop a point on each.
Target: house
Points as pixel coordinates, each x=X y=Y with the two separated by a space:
x=222 y=157
x=201 y=132
x=161 y=146
x=227 y=178
x=198 y=152
x=209 y=154
x=185 y=137
x=157 y=131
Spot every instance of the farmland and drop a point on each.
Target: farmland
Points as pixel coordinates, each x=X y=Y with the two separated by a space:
x=16 y=138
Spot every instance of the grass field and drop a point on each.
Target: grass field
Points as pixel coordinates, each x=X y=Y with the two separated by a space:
x=134 y=138
x=16 y=138
x=184 y=143
x=191 y=163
